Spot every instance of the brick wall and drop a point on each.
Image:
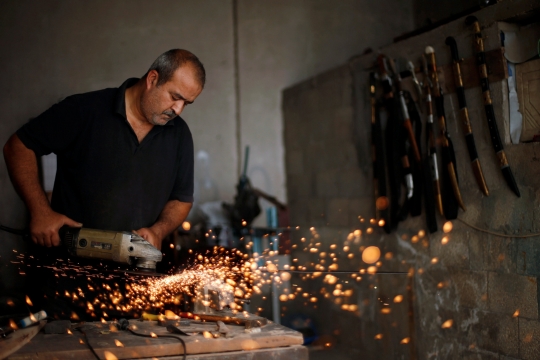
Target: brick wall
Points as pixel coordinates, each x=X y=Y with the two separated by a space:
x=466 y=293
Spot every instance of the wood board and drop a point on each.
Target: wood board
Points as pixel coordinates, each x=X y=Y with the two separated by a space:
x=102 y=339
x=18 y=339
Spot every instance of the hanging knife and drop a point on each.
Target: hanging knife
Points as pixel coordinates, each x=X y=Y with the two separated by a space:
x=488 y=105
x=405 y=112
x=430 y=139
x=379 y=173
x=448 y=155
x=464 y=114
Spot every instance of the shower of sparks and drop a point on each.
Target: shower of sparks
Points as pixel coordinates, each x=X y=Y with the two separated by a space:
x=338 y=263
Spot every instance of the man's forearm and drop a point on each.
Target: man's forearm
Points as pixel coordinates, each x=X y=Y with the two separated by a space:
x=173 y=215
x=23 y=171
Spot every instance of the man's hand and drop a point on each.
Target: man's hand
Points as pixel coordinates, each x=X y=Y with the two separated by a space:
x=151 y=236
x=44 y=228
x=172 y=216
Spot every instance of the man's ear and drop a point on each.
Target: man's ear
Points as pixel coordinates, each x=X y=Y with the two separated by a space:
x=152 y=78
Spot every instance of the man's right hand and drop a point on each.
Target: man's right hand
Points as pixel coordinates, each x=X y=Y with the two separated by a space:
x=44 y=227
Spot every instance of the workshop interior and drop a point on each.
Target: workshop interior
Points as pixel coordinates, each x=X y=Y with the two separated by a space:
x=365 y=183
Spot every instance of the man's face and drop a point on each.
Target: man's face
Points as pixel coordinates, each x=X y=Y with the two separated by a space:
x=162 y=103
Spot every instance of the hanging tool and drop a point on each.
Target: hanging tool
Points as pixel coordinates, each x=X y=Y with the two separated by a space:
x=379 y=172
x=430 y=139
x=464 y=114
x=488 y=105
x=417 y=85
x=405 y=113
x=396 y=155
x=448 y=155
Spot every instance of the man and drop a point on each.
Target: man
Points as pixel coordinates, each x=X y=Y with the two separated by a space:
x=125 y=163
x=125 y=157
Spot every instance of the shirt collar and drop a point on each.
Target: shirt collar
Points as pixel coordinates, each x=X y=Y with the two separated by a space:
x=120 y=101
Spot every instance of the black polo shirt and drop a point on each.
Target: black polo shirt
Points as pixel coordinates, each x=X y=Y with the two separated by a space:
x=105 y=179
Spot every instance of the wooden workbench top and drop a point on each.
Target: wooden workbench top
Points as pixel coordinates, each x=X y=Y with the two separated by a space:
x=110 y=343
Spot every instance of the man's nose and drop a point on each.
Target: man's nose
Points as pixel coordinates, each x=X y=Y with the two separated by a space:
x=178 y=107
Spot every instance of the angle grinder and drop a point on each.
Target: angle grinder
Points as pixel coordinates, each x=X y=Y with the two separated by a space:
x=119 y=246
x=122 y=247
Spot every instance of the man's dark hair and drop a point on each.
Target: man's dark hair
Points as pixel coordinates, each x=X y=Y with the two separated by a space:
x=167 y=63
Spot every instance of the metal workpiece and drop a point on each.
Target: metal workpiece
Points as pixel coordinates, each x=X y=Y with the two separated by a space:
x=212 y=297
x=464 y=115
x=488 y=105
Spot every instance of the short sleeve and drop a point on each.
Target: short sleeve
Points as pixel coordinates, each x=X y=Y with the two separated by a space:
x=183 y=186
x=54 y=130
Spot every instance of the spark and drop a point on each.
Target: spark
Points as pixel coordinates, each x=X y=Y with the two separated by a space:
x=444 y=240
x=516 y=313
x=285 y=276
x=28 y=301
x=447 y=324
x=405 y=340
x=118 y=343
x=108 y=355
x=371 y=254
x=382 y=203
x=378 y=336
x=186 y=225
x=447 y=227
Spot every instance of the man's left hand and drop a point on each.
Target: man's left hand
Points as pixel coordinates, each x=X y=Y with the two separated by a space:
x=149 y=235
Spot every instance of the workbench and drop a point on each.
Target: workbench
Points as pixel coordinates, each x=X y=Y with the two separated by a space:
x=273 y=341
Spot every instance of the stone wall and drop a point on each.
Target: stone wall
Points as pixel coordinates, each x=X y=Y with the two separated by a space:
x=464 y=293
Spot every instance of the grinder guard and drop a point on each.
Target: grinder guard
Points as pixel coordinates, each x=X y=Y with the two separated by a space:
x=123 y=247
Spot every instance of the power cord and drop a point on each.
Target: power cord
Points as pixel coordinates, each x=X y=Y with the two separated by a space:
x=496 y=233
x=162 y=336
x=123 y=324
x=88 y=343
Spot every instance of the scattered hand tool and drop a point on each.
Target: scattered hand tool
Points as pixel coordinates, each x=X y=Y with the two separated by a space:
x=448 y=155
x=237 y=319
x=488 y=105
x=464 y=114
